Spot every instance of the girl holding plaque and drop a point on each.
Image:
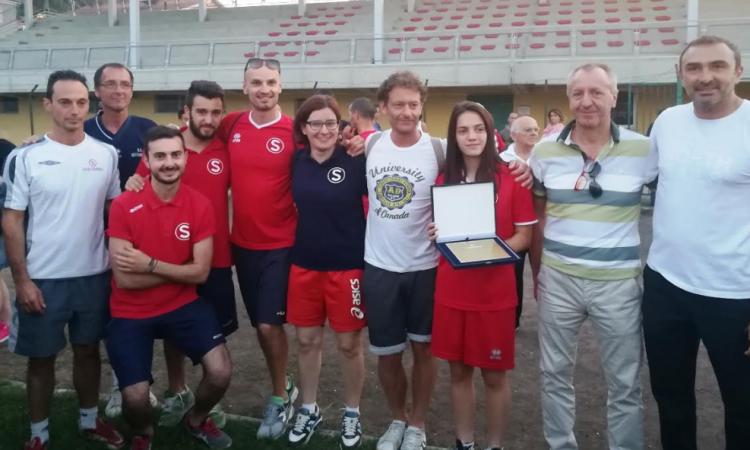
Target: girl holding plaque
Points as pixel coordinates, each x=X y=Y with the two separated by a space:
x=474 y=314
x=327 y=262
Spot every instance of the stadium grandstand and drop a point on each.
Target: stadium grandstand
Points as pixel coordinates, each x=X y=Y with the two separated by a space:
x=507 y=54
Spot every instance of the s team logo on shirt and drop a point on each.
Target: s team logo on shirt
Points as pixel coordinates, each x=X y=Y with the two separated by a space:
x=182 y=232
x=236 y=138
x=336 y=175
x=215 y=166
x=275 y=145
x=356 y=311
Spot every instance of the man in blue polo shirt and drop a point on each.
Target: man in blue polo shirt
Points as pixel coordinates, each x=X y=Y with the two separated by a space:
x=112 y=124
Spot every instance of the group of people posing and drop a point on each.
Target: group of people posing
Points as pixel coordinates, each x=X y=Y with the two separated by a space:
x=307 y=252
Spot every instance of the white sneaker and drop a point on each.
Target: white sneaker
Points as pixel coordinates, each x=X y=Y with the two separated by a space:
x=152 y=399
x=114 y=404
x=391 y=439
x=414 y=439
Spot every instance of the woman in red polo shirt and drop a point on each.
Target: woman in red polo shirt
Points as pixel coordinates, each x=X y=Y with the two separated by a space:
x=474 y=315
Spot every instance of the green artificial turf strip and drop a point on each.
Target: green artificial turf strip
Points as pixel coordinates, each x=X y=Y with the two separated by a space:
x=14 y=428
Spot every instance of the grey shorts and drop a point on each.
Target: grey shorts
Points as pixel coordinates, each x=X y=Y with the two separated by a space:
x=399 y=308
x=81 y=303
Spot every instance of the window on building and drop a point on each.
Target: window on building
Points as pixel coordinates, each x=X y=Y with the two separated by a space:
x=623 y=114
x=167 y=103
x=8 y=105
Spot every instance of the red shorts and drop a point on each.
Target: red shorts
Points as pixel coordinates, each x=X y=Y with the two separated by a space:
x=316 y=295
x=484 y=339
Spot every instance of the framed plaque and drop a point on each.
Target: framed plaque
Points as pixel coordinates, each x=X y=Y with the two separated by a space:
x=465 y=218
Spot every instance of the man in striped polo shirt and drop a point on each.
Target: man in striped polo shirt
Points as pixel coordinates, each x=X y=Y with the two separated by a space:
x=587 y=188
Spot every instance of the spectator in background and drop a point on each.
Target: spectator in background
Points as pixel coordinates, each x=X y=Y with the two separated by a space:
x=362 y=113
x=555 y=122
x=505 y=132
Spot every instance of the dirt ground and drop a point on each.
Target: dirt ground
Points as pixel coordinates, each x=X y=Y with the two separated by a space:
x=250 y=386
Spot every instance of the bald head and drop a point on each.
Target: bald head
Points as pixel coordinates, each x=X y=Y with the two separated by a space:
x=525 y=132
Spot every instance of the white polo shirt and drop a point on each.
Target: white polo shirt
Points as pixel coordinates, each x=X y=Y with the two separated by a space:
x=63 y=190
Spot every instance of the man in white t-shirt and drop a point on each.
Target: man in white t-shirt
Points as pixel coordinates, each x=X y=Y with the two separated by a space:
x=697 y=280
x=400 y=261
x=53 y=224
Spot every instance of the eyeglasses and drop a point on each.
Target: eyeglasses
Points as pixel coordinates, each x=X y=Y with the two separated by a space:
x=591 y=169
x=317 y=125
x=257 y=63
x=112 y=84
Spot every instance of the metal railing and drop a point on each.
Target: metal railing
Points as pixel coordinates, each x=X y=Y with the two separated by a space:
x=535 y=43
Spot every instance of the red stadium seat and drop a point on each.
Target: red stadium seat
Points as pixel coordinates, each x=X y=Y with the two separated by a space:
x=635 y=9
x=492 y=35
x=356 y=6
x=638 y=19
x=565 y=12
x=348 y=14
x=464 y=48
x=487 y=47
x=303 y=24
x=467 y=37
x=291 y=54
x=440 y=49
x=538 y=33
x=541 y=22
x=442 y=10
x=424 y=38
x=562 y=44
x=394 y=51
x=263 y=44
x=457 y=17
x=311 y=32
x=502 y=6
x=588 y=32
x=482 y=8
x=430 y=28
x=296 y=17
x=663 y=18
x=612 y=20
x=274 y=34
x=320 y=42
x=666 y=30
x=521 y=14
x=314 y=16
x=451 y=26
x=281 y=43
x=415 y=19
x=249 y=54
x=615 y=43
x=422 y=11
x=518 y=23
x=330 y=32
x=562 y=33
x=537 y=45
x=418 y=50
x=498 y=15
x=436 y=18
x=510 y=46
x=588 y=20
x=477 y=16
x=473 y=25
x=292 y=33
x=445 y=38
x=659 y=8
x=642 y=43
x=588 y=11
x=610 y=10
x=564 y=22
x=270 y=54
x=321 y=24
x=670 y=41
x=330 y=16
x=462 y=9
x=542 y=13
x=339 y=23
x=588 y=44
x=285 y=25
x=523 y=5
x=410 y=29
x=614 y=31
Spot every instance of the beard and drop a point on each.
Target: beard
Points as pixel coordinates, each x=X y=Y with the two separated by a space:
x=157 y=176
x=197 y=132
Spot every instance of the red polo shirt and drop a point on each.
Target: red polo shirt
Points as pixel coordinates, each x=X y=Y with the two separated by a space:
x=208 y=173
x=165 y=231
x=263 y=214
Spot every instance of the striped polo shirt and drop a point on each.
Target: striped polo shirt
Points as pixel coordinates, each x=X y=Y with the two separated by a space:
x=587 y=237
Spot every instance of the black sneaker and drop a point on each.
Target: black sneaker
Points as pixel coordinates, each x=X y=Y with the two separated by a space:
x=305 y=423
x=461 y=446
x=351 y=431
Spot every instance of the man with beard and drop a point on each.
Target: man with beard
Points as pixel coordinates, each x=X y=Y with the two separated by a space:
x=261 y=145
x=161 y=248
x=697 y=277
x=207 y=171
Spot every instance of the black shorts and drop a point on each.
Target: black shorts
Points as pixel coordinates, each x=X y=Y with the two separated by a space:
x=218 y=290
x=399 y=307
x=263 y=276
x=192 y=329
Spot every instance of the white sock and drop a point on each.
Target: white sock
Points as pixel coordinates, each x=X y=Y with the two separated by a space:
x=87 y=418
x=40 y=430
x=354 y=409
x=115 y=382
x=312 y=407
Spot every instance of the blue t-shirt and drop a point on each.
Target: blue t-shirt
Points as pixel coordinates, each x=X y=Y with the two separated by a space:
x=128 y=141
x=331 y=222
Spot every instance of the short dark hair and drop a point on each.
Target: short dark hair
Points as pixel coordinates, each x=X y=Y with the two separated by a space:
x=713 y=40
x=63 y=75
x=160 y=132
x=309 y=106
x=364 y=106
x=405 y=79
x=203 y=88
x=100 y=71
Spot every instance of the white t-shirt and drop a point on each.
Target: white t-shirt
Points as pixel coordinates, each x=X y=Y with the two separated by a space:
x=702 y=213
x=398 y=182
x=63 y=189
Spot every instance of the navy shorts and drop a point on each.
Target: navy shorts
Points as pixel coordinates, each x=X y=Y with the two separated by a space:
x=218 y=290
x=263 y=276
x=80 y=303
x=399 y=308
x=192 y=329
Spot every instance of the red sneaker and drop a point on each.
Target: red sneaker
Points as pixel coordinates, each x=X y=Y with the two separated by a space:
x=4 y=332
x=140 y=442
x=106 y=433
x=35 y=444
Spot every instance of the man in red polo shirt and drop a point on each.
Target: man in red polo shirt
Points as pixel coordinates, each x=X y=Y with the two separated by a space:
x=207 y=171
x=161 y=247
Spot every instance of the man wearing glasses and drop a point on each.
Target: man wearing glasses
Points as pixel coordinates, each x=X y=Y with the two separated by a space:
x=261 y=146
x=586 y=263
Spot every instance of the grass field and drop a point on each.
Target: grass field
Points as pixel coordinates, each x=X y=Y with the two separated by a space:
x=14 y=429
